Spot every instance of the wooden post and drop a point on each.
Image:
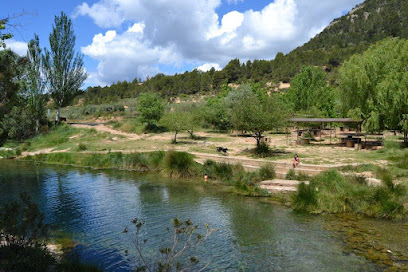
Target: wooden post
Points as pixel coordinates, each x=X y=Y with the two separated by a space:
x=330 y=131
x=321 y=124
x=297 y=135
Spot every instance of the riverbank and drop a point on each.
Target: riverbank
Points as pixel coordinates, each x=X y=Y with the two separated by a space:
x=173 y=164
x=327 y=192
x=110 y=192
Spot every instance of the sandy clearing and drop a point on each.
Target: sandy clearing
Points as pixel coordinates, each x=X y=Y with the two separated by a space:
x=103 y=128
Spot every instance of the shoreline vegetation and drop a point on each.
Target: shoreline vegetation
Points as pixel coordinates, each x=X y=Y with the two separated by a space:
x=328 y=192
x=347 y=198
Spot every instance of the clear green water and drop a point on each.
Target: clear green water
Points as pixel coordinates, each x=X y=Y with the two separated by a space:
x=93 y=207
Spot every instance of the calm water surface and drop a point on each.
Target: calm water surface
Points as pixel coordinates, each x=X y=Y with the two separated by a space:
x=93 y=207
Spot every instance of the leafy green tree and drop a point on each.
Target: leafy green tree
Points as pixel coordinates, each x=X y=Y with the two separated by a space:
x=404 y=126
x=4 y=36
x=18 y=124
x=175 y=121
x=309 y=90
x=63 y=68
x=376 y=83
x=193 y=115
x=11 y=71
x=150 y=107
x=233 y=70
x=35 y=83
x=254 y=113
x=215 y=112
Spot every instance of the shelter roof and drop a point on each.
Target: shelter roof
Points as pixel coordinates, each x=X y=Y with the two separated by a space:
x=325 y=120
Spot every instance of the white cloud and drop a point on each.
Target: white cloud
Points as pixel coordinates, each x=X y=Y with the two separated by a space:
x=177 y=32
x=126 y=56
x=18 y=47
x=207 y=67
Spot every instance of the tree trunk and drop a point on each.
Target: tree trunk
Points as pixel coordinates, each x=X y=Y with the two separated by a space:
x=191 y=132
x=175 y=137
x=405 y=137
x=57 y=117
x=37 y=126
x=258 y=138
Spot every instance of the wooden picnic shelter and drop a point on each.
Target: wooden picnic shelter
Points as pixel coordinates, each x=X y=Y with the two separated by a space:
x=322 y=122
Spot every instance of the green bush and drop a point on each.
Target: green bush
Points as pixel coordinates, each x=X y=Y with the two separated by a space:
x=263 y=150
x=386 y=177
x=18 y=151
x=291 y=175
x=82 y=147
x=223 y=171
x=388 y=144
x=306 y=197
x=137 y=161
x=180 y=164
x=156 y=159
x=19 y=258
x=209 y=168
x=267 y=172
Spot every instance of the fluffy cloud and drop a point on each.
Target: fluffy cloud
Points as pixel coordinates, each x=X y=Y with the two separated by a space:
x=207 y=67
x=178 y=32
x=18 y=47
x=127 y=56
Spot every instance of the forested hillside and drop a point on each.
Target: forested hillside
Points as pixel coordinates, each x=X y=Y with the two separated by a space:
x=353 y=33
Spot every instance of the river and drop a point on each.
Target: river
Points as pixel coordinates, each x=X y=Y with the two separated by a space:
x=93 y=207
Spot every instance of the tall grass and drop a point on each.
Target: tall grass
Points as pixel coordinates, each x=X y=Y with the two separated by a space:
x=306 y=197
x=267 y=172
x=332 y=192
x=179 y=164
x=291 y=175
x=57 y=136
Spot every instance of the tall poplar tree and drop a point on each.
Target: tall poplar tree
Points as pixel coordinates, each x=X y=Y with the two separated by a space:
x=63 y=68
x=35 y=82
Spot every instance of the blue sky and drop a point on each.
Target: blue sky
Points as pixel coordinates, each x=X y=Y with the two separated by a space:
x=124 y=39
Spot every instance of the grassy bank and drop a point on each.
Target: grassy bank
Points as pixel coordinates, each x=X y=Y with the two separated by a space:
x=327 y=192
x=334 y=193
x=172 y=163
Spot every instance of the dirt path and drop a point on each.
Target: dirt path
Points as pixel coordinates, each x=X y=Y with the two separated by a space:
x=103 y=128
x=41 y=151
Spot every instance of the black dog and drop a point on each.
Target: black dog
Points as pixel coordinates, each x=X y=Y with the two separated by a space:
x=222 y=149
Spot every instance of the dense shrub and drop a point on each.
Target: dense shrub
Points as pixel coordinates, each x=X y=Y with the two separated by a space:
x=82 y=147
x=306 y=197
x=136 y=161
x=179 y=164
x=263 y=150
x=267 y=172
x=22 y=226
x=156 y=159
x=223 y=171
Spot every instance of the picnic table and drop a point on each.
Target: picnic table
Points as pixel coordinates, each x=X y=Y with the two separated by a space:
x=351 y=139
x=305 y=140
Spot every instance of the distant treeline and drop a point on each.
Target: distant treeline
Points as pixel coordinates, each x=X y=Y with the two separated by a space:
x=353 y=33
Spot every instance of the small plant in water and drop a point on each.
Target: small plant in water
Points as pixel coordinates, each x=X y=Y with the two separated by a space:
x=177 y=255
